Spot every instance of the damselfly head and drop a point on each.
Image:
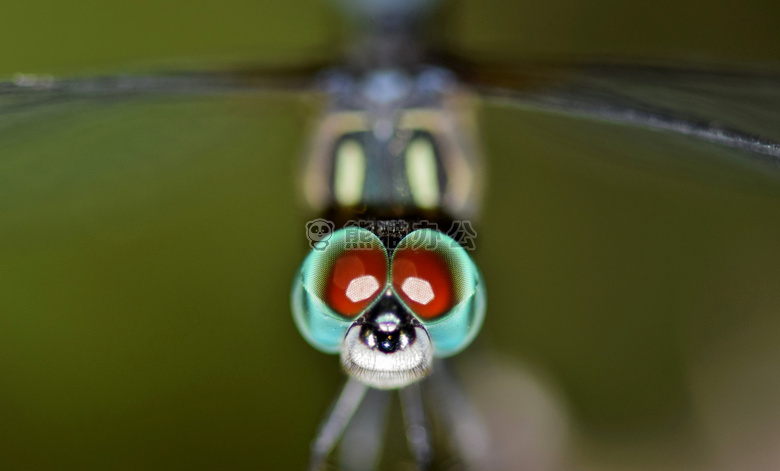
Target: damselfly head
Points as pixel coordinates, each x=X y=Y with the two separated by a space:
x=389 y=312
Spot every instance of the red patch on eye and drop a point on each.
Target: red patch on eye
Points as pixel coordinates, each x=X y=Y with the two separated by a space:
x=423 y=280
x=355 y=279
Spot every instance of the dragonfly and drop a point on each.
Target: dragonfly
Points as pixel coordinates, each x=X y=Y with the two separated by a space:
x=397 y=149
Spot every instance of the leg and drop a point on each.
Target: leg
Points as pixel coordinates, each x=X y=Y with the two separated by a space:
x=416 y=425
x=467 y=431
x=336 y=421
x=361 y=446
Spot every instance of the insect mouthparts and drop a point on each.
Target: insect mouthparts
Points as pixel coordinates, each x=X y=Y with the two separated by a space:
x=386 y=348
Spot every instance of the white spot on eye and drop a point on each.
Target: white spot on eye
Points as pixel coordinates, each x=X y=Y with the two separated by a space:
x=422 y=173
x=418 y=290
x=349 y=173
x=361 y=288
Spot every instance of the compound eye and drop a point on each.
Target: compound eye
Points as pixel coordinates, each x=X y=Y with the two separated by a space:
x=438 y=282
x=336 y=283
x=355 y=279
x=424 y=280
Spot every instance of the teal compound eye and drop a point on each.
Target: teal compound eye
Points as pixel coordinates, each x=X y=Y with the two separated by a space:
x=439 y=283
x=336 y=284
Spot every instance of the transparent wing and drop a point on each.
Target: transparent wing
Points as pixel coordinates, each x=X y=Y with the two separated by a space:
x=735 y=111
x=113 y=145
x=29 y=96
x=61 y=136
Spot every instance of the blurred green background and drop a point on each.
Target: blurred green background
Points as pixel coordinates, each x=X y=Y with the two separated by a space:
x=146 y=249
